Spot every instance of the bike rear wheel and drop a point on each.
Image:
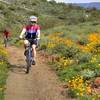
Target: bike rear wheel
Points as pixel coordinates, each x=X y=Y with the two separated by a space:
x=28 y=66
x=28 y=60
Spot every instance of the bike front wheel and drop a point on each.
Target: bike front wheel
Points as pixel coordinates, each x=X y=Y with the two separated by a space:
x=29 y=63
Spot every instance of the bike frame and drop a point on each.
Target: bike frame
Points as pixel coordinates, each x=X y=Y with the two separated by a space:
x=5 y=41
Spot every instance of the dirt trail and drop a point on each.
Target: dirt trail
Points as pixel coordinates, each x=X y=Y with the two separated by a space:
x=40 y=84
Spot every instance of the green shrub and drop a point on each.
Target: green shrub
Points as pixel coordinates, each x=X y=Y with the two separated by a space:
x=43 y=44
x=12 y=7
x=84 y=97
x=83 y=41
x=97 y=72
x=72 y=93
x=71 y=51
x=87 y=73
x=47 y=21
x=66 y=51
x=83 y=57
x=67 y=74
x=2 y=6
x=96 y=49
x=59 y=49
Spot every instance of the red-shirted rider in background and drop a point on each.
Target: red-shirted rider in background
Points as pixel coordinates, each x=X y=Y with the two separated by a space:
x=31 y=31
x=6 y=34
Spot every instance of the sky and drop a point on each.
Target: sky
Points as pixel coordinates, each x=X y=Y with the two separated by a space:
x=77 y=1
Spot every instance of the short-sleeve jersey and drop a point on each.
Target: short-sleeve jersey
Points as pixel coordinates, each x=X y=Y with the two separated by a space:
x=31 y=31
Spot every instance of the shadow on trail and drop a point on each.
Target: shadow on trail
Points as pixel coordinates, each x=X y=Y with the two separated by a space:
x=18 y=69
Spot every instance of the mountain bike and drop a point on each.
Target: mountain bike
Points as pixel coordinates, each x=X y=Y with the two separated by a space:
x=28 y=53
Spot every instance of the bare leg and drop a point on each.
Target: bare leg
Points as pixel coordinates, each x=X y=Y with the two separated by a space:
x=26 y=43
x=34 y=51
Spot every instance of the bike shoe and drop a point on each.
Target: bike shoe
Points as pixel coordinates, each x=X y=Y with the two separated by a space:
x=33 y=62
x=25 y=52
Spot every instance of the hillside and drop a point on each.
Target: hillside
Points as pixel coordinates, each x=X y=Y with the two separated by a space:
x=51 y=15
x=90 y=5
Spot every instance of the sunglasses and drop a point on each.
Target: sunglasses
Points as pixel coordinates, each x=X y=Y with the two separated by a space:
x=32 y=22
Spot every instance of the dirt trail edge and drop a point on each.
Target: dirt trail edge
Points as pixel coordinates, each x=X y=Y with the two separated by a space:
x=40 y=84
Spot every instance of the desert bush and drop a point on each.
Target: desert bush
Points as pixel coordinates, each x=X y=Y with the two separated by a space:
x=96 y=49
x=59 y=49
x=43 y=44
x=83 y=41
x=84 y=97
x=97 y=72
x=87 y=73
x=67 y=73
x=12 y=7
x=2 y=6
x=65 y=51
x=71 y=51
x=83 y=57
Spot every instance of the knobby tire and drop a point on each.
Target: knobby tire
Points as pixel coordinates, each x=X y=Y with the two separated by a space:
x=28 y=60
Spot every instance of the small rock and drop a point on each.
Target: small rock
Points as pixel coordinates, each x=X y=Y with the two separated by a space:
x=97 y=82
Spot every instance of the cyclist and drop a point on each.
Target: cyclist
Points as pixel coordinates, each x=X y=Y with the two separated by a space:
x=31 y=31
x=6 y=34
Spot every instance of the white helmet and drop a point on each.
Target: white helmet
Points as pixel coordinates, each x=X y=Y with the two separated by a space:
x=33 y=18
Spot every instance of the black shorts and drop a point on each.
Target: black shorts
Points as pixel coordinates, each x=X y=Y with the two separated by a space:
x=32 y=41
